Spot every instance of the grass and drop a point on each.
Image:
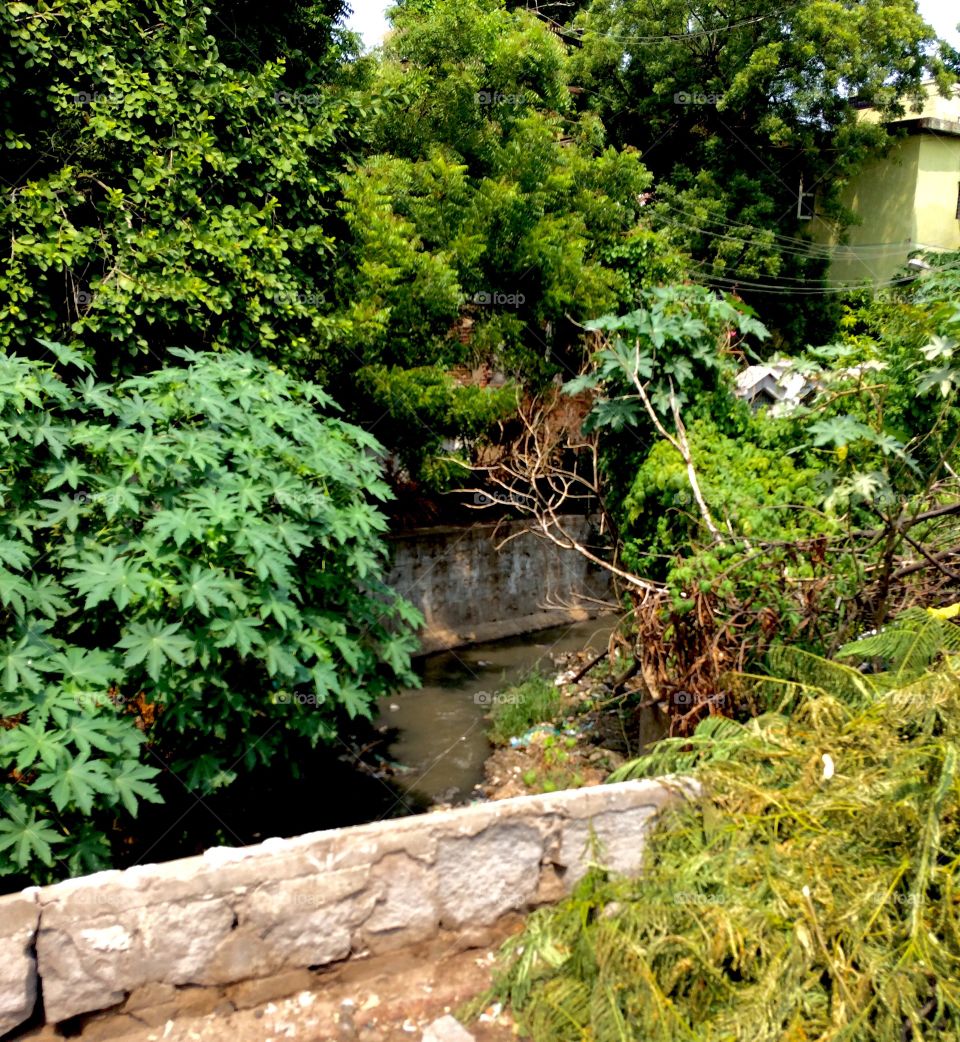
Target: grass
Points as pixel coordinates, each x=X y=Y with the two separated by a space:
x=535 y=700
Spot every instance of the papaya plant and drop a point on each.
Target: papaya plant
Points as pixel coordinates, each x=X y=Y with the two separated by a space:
x=192 y=568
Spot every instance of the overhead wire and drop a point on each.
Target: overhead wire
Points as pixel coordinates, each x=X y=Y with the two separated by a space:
x=580 y=34
x=789 y=241
x=772 y=288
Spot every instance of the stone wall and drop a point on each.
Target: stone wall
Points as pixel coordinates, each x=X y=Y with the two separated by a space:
x=469 y=591
x=240 y=915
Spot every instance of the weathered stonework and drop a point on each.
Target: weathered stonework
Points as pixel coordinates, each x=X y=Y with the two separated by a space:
x=459 y=580
x=19 y=916
x=234 y=917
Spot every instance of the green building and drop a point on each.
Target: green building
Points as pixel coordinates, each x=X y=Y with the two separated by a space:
x=907 y=201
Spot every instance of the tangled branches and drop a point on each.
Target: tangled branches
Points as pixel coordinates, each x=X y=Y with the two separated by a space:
x=724 y=598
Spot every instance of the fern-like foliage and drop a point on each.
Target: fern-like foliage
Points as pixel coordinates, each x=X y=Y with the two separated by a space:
x=909 y=645
x=812 y=688
x=715 y=740
x=810 y=895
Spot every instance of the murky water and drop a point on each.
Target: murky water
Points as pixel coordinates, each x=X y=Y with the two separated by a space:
x=442 y=727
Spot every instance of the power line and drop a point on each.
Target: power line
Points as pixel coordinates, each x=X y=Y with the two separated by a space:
x=811 y=249
x=580 y=34
x=778 y=289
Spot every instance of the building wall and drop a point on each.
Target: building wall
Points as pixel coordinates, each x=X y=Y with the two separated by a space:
x=907 y=199
x=938 y=107
x=937 y=189
x=882 y=195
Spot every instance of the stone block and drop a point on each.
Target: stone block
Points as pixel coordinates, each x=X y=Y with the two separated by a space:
x=19 y=916
x=621 y=836
x=92 y=963
x=406 y=910
x=484 y=876
x=296 y=924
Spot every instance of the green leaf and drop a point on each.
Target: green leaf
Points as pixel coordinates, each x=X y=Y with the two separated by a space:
x=75 y=784
x=30 y=745
x=14 y=554
x=108 y=574
x=15 y=591
x=86 y=670
x=839 y=431
x=132 y=782
x=26 y=837
x=240 y=633
x=178 y=525
x=206 y=589
x=155 y=644
x=16 y=667
x=67 y=355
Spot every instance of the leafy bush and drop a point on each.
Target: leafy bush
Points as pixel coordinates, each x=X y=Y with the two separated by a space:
x=163 y=197
x=809 y=894
x=758 y=490
x=191 y=576
x=535 y=700
x=416 y=409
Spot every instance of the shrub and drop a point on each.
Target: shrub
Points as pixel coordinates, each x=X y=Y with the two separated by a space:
x=809 y=894
x=190 y=576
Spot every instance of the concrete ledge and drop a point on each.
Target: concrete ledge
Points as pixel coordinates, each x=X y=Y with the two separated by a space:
x=439 y=639
x=235 y=915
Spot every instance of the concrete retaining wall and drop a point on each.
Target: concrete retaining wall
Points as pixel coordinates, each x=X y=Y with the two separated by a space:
x=235 y=915
x=469 y=591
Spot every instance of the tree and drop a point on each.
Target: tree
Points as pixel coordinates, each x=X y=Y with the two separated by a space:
x=735 y=110
x=159 y=196
x=486 y=220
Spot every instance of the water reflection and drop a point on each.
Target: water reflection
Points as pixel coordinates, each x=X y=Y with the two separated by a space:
x=441 y=727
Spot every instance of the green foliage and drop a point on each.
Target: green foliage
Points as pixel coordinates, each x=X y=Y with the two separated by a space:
x=885 y=419
x=419 y=409
x=674 y=345
x=162 y=196
x=755 y=491
x=192 y=559
x=731 y=106
x=480 y=197
x=808 y=893
x=873 y=442
x=534 y=701
x=909 y=645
